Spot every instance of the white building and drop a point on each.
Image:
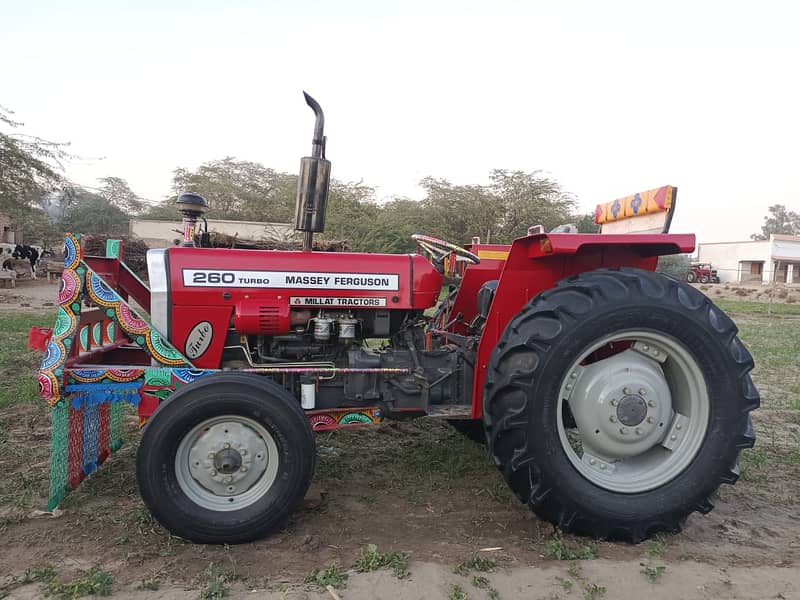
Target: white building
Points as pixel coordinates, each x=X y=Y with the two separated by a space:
x=755 y=261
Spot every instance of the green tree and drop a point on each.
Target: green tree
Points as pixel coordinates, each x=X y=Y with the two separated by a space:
x=528 y=199
x=91 y=213
x=585 y=223
x=29 y=166
x=456 y=213
x=237 y=189
x=779 y=220
x=119 y=194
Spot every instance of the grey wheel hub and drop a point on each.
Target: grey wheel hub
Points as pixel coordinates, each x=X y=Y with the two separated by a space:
x=640 y=414
x=226 y=463
x=632 y=410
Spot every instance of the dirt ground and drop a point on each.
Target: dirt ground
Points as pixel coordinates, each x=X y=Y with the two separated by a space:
x=418 y=488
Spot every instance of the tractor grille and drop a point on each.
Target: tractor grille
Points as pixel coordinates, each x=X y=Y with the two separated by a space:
x=269 y=320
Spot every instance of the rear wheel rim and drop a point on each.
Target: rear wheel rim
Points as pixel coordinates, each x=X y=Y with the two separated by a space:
x=226 y=463
x=640 y=415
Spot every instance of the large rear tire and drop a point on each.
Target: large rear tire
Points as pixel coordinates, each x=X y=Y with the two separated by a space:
x=226 y=459
x=659 y=388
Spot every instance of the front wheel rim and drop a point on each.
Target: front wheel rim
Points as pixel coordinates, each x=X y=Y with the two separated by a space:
x=226 y=463
x=640 y=414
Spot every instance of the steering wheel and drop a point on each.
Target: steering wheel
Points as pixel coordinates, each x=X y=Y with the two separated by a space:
x=438 y=250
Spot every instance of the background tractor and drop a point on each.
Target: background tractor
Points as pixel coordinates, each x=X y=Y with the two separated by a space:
x=702 y=273
x=615 y=400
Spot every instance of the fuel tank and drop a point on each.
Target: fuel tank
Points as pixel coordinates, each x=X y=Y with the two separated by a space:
x=197 y=294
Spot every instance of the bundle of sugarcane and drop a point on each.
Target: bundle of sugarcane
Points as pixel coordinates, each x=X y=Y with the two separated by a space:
x=134 y=251
x=223 y=240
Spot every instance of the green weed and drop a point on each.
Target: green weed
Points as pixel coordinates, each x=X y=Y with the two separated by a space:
x=151 y=584
x=215 y=584
x=475 y=563
x=480 y=582
x=372 y=560
x=653 y=573
x=592 y=591
x=657 y=546
x=558 y=549
x=95 y=582
x=457 y=592
x=333 y=576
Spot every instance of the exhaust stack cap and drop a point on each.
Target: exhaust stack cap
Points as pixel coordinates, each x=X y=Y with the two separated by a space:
x=191 y=203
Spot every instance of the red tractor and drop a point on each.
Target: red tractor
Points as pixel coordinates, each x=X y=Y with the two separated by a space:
x=615 y=400
x=702 y=273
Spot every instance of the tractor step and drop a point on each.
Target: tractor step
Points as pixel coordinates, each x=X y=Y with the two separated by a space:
x=450 y=411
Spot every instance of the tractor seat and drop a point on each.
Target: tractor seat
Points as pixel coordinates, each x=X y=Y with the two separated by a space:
x=484 y=303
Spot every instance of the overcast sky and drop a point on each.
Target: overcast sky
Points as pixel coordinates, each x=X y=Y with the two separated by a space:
x=609 y=97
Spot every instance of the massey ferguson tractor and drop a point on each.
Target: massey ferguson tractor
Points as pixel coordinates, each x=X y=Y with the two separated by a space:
x=615 y=400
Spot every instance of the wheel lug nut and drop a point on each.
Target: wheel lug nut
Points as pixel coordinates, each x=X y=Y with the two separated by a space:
x=645 y=348
x=243 y=469
x=651 y=420
x=678 y=426
x=213 y=473
x=569 y=386
x=638 y=431
x=573 y=375
x=626 y=390
x=612 y=418
x=602 y=465
x=226 y=445
x=614 y=402
x=592 y=461
x=656 y=353
x=651 y=403
x=673 y=437
x=228 y=479
x=211 y=455
x=642 y=392
x=243 y=451
x=623 y=430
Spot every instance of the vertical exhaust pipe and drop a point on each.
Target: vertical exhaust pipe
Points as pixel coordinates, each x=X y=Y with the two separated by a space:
x=313 y=182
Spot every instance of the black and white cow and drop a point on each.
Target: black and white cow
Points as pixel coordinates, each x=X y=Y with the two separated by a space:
x=28 y=255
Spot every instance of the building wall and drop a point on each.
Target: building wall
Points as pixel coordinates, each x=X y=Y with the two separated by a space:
x=738 y=261
x=733 y=259
x=160 y=234
x=10 y=232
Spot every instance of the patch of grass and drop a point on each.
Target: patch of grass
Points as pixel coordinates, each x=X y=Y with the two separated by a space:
x=95 y=582
x=457 y=592
x=480 y=582
x=18 y=364
x=653 y=572
x=559 y=549
x=333 y=576
x=756 y=308
x=574 y=570
x=592 y=591
x=372 y=560
x=753 y=463
x=215 y=583
x=151 y=584
x=475 y=563
x=657 y=546
x=38 y=573
x=433 y=458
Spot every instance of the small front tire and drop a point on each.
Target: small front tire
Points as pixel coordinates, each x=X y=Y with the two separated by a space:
x=225 y=459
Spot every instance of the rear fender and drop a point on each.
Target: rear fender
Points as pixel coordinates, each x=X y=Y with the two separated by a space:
x=536 y=263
